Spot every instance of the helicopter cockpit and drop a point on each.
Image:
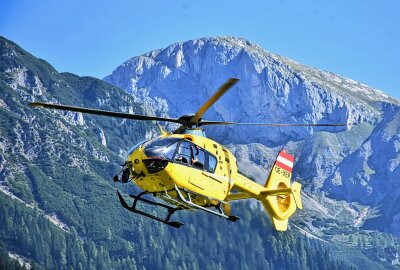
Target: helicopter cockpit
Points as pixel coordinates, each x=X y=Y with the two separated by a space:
x=160 y=151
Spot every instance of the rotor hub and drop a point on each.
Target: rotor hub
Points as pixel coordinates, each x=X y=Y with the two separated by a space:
x=186 y=120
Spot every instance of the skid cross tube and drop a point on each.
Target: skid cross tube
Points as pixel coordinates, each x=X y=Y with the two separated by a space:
x=171 y=210
x=189 y=202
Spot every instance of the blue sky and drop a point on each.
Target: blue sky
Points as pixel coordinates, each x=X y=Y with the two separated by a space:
x=356 y=39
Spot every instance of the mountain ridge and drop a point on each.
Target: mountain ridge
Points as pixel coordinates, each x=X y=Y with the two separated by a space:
x=178 y=79
x=245 y=44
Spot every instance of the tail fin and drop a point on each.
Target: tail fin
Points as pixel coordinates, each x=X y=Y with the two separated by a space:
x=281 y=197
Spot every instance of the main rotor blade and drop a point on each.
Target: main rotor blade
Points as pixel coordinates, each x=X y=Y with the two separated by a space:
x=225 y=87
x=209 y=123
x=101 y=112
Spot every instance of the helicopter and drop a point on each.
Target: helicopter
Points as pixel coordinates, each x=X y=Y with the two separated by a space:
x=189 y=171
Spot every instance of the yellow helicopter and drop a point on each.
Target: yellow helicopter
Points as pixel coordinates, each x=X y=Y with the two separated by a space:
x=191 y=172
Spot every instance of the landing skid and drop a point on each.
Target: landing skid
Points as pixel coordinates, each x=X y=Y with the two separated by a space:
x=171 y=210
x=183 y=200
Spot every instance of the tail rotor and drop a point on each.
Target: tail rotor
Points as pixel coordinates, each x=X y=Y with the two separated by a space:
x=281 y=198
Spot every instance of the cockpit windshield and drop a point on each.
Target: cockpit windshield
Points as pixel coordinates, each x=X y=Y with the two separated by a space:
x=134 y=148
x=163 y=148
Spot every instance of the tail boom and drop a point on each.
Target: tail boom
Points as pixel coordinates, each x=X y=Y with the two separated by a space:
x=279 y=198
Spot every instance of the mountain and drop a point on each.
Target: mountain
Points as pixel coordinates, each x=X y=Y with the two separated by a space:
x=55 y=166
x=357 y=167
x=179 y=78
x=58 y=204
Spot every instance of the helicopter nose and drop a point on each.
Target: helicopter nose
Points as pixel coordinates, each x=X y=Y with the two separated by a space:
x=137 y=164
x=126 y=172
x=155 y=165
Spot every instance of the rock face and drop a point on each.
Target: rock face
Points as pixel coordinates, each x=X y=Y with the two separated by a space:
x=34 y=143
x=357 y=164
x=178 y=79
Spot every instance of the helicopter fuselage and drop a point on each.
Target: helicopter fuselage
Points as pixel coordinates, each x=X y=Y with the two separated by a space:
x=191 y=162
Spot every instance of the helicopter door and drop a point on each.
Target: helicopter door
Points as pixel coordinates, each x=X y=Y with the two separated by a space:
x=202 y=174
x=188 y=157
x=183 y=161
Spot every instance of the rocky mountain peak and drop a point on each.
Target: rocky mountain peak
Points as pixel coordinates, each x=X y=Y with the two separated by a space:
x=178 y=79
x=339 y=163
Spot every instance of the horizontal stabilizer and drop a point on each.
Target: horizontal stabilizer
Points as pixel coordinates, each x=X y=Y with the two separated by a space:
x=296 y=188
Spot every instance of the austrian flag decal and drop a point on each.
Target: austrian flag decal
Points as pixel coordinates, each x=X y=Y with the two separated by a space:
x=285 y=161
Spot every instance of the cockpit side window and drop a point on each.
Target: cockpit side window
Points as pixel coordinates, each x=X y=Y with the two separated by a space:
x=212 y=163
x=184 y=153
x=198 y=157
x=193 y=155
